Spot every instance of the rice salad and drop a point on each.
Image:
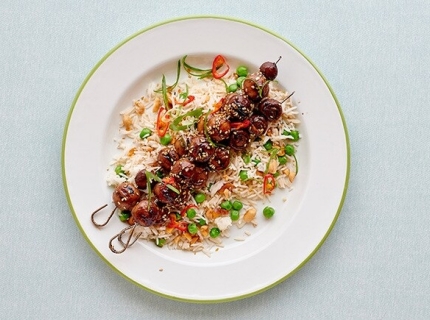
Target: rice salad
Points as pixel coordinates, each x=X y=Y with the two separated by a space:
x=197 y=217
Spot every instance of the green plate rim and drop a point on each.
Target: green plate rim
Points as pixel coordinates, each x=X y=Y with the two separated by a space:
x=110 y=52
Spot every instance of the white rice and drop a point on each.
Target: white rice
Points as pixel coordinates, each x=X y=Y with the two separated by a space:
x=136 y=154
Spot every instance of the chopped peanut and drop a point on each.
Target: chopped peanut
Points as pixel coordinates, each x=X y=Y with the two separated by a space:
x=273 y=166
x=187 y=236
x=127 y=122
x=204 y=230
x=228 y=186
x=157 y=105
x=139 y=107
x=131 y=152
x=249 y=215
x=292 y=175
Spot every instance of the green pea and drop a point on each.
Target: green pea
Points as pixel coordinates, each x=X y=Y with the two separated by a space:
x=119 y=171
x=233 y=87
x=237 y=205
x=239 y=81
x=268 y=145
x=200 y=197
x=246 y=158
x=166 y=139
x=234 y=215
x=214 y=232
x=226 y=205
x=159 y=242
x=282 y=160
x=286 y=133
x=289 y=149
x=242 y=71
x=256 y=161
x=243 y=175
x=202 y=222
x=124 y=216
x=192 y=228
x=268 y=212
x=159 y=173
x=295 y=134
x=145 y=133
x=191 y=213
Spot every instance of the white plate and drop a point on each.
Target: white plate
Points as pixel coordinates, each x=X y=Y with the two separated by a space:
x=277 y=247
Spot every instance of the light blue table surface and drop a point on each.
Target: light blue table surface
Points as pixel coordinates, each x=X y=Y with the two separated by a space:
x=376 y=262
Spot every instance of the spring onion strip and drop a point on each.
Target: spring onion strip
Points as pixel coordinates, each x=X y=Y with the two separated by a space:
x=150 y=176
x=178 y=73
x=164 y=92
x=194 y=71
x=175 y=125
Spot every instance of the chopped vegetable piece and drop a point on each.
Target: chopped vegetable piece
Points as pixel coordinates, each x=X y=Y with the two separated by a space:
x=268 y=212
x=191 y=213
x=176 y=224
x=269 y=183
x=160 y=242
x=124 y=216
x=190 y=208
x=119 y=171
x=246 y=158
x=166 y=139
x=289 y=149
x=202 y=222
x=237 y=205
x=201 y=73
x=268 y=145
x=256 y=161
x=214 y=232
x=162 y=123
x=226 y=205
x=233 y=87
x=240 y=125
x=234 y=215
x=242 y=71
x=200 y=197
x=282 y=160
x=175 y=126
x=243 y=175
x=164 y=93
x=239 y=81
x=219 y=67
x=192 y=228
x=295 y=134
x=145 y=133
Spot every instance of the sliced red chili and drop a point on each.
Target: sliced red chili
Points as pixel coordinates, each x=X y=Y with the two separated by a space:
x=176 y=224
x=269 y=183
x=218 y=105
x=184 y=211
x=162 y=122
x=219 y=67
x=187 y=100
x=240 y=125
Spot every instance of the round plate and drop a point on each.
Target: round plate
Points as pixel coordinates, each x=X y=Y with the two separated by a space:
x=273 y=250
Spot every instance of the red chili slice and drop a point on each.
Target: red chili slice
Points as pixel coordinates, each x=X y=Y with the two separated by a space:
x=184 y=211
x=188 y=100
x=269 y=183
x=240 y=125
x=175 y=224
x=218 y=105
x=162 y=122
x=219 y=67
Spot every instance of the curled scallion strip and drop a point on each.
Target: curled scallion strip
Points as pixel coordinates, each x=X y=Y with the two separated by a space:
x=175 y=125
